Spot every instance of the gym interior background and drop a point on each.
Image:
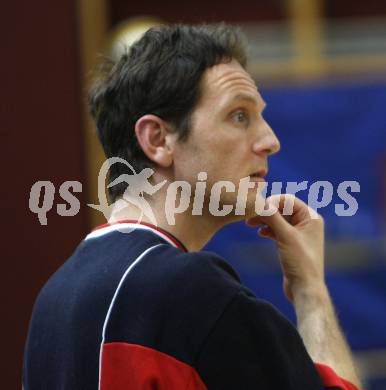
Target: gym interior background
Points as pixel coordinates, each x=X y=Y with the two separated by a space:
x=321 y=67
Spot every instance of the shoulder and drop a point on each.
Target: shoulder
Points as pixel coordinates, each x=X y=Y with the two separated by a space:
x=252 y=345
x=256 y=316
x=198 y=285
x=202 y=272
x=213 y=266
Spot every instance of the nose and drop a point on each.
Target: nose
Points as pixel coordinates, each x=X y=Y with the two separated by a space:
x=266 y=141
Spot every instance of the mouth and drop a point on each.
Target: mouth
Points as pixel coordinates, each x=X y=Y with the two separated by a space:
x=258 y=175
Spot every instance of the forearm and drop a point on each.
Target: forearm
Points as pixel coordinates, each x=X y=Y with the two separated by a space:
x=300 y=241
x=321 y=333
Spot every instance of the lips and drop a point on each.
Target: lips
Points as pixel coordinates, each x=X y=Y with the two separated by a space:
x=258 y=175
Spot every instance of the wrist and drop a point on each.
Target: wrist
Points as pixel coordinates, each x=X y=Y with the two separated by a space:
x=315 y=295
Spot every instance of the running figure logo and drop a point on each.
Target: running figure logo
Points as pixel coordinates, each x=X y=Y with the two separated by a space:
x=138 y=184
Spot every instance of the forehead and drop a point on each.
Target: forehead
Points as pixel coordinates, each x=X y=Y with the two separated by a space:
x=223 y=80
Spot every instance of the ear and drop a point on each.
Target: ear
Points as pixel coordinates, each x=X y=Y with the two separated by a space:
x=155 y=139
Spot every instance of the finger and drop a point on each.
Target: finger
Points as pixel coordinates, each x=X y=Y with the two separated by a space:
x=293 y=209
x=271 y=205
x=277 y=223
x=266 y=232
x=254 y=221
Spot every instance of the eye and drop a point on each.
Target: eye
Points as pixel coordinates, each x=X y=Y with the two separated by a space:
x=241 y=117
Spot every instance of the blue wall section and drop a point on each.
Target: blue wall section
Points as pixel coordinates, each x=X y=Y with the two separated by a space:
x=335 y=133
x=332 y=133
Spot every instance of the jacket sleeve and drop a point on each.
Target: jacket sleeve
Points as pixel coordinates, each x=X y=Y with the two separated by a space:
x=252 y=346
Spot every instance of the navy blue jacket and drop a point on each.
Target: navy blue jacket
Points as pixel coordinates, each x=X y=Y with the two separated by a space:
x=132 y=309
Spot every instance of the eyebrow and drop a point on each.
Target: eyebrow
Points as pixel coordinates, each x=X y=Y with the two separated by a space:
x=248 y=98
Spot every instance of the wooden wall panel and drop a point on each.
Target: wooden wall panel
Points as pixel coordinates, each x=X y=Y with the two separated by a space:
x=41 y=139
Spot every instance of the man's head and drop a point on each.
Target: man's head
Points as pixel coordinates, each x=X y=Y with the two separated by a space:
x=161 y=75
x=229 y=139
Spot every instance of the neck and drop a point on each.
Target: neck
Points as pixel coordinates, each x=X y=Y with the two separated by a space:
x=193 y=231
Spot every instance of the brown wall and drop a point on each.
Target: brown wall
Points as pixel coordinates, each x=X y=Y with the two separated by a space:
x=355 y=9
x=200 y=10
x=240 y=11
x=41 y=139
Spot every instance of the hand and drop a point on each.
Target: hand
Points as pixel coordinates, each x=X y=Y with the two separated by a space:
x=300 y=243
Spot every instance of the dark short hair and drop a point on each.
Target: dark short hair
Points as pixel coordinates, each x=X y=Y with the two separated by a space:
x=159 y=74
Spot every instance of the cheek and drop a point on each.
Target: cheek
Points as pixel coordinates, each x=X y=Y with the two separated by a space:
x=229 y=150
x=216 y=148
x=220 y=146
x=189 y=160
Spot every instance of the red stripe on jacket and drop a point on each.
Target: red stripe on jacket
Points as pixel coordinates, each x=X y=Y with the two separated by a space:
x=331 y=379
x=131 y=366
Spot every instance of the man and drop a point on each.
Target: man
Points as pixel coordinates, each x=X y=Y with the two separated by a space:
x=148 y=309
